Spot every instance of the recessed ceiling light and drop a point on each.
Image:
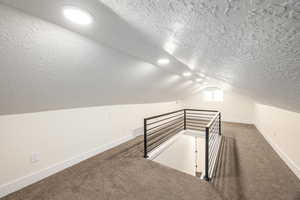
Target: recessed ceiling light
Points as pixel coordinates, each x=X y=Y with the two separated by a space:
x=201 y=75
x=187 y=74
x=77 y=16
x=199 y=79
x=163 y=61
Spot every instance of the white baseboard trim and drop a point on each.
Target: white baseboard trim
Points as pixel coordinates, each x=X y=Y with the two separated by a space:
x=29 y=179
x=236 y=122
x=290 y=163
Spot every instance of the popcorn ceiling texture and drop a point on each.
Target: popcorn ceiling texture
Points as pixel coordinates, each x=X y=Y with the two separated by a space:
x=46 y=67
x=252 y=45
x=48 y=63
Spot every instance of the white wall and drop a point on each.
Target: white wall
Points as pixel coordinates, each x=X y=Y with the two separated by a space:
x=180 y=154
x=281 y=128
x=47 y=67
x=234 y=107
x=61 y=135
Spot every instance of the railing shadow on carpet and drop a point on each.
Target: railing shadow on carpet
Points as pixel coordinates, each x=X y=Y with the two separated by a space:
x=227 y=177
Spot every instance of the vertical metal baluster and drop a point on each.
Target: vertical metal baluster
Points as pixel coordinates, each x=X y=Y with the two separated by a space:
x=184 y=118
x=145 y=139
x=220 y=126
x=206 y=177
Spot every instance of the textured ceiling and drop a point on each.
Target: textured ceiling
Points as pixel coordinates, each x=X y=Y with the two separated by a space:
x=45 y=67
x=253 y=45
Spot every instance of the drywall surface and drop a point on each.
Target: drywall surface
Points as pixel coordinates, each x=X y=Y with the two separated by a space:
x=58 y=136
x=281 y=128
x=46 y=67
x=234 y=107
x=253 y=45
x=181 y=154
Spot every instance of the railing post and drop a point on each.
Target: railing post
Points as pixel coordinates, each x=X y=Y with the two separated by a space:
x=206 y=176
x=184 y=119
x=145 y=139
x=220 y=125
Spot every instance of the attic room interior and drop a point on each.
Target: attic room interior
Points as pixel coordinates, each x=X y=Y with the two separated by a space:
x=149 y=99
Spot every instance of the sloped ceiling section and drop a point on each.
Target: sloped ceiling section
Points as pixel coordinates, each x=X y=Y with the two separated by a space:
x=50 y=63
x=45 y=67
x=252 y=45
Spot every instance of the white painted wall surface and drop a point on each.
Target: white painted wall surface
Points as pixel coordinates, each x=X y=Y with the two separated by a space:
x=184 y=152
x=64 y=137
x=180 y=154
x=234 y=107
x=44 y=67
x=281 y=128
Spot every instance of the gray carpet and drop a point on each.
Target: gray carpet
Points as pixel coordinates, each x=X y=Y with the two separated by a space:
x=248 y=169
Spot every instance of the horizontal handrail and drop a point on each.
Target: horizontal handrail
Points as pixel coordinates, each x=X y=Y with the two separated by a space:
x=163 y=139
x=153 y=140
x=159 y=128
x=164 y=127
x=213 y=119
x=165 y=119
x=168 y=122
x=169 y=113
x=187 y=109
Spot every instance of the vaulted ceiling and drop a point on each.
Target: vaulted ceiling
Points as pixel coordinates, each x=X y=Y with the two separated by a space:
x=253 y=46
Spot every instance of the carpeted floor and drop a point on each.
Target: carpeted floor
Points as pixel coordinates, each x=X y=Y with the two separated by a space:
x=248 y=169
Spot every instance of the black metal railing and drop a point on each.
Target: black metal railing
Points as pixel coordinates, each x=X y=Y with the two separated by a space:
x=212 y=144
x=160 y=128
x=198 y=119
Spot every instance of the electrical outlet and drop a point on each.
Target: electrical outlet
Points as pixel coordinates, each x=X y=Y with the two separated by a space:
x=35 y=157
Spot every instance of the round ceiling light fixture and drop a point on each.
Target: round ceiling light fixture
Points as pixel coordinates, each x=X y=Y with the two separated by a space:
x=163 y=61
x=187 y=74
x=77 y=15
x=201 y=75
